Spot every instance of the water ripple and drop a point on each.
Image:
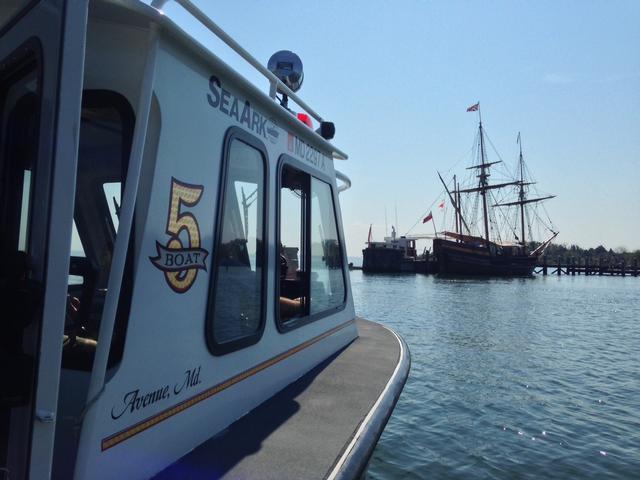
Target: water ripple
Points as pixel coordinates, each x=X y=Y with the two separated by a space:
x=522 y=378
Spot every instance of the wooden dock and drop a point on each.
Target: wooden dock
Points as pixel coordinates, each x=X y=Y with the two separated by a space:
x=560 y=266
x=573 y=266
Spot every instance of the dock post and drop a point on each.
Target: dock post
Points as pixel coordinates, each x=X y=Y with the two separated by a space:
x=559 y=271
x=573 y=265
x=587 y=266
x=635 y=267
x=544 y=265
x=622 y=268
x=600 y=266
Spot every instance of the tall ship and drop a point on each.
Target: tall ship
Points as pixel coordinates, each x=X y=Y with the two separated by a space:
x=494 y=222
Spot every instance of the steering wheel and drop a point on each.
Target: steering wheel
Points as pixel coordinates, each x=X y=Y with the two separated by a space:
x=79 y=309
x=284 y=266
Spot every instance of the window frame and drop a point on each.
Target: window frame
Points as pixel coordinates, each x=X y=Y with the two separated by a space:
x=297 y=322
x=25 y=58
x=222 y=348
x=102 y=98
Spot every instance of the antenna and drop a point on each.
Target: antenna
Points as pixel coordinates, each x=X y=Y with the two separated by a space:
x=386 y=228
x=397 y=225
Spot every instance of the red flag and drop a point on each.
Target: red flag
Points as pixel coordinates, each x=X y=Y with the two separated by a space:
x=441 y=204
x=369 y=237
x=474 y=108
x=427 y=218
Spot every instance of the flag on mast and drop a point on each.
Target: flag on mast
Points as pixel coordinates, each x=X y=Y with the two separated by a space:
x=427 y=218
x=474 y=108
x=441 y=206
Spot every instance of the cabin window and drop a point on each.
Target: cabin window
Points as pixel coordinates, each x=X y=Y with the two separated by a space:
x=310 y=271
x=106 y=131
x=327 y=280
x=236 y=304
x=293 y=258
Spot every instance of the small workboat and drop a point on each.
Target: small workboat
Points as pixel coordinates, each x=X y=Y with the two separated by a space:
x=173 y=276
x=393 y=255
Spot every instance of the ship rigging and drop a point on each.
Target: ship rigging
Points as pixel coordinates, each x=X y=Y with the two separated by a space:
x=492 y=233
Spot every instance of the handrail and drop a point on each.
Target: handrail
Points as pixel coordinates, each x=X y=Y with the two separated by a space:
x=347 y=181
x=274 y=82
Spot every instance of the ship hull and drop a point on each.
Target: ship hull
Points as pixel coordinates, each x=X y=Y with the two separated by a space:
x=457 y=258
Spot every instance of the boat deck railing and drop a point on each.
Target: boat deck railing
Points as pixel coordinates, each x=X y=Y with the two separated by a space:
x=346 y=181
x=275 y=84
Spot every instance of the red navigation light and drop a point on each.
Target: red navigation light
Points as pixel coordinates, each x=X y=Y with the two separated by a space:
x=306 y=119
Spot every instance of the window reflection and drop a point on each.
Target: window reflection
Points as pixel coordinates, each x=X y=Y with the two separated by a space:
x=239 y=253
x=327 y=281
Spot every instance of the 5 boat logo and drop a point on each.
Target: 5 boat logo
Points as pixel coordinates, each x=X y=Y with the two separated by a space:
x=180 y=260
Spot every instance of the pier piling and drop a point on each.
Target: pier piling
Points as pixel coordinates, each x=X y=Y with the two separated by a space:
x=600 y=266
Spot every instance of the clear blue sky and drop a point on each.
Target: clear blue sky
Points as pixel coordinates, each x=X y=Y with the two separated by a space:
x=396 y=78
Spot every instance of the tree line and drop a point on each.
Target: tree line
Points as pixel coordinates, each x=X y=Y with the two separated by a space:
x=593 y=255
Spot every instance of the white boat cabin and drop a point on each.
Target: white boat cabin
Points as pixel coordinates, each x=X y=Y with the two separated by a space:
x=406 y=245
x=172 y=245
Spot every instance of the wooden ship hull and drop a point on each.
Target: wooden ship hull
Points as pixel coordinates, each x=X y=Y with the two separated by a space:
x=459 y=259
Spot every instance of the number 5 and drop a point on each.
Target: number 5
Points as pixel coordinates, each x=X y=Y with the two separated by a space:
x=187 y=195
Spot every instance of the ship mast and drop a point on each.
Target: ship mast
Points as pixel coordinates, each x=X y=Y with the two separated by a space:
x=484 y=186
x=522 y=195
x=483 y=181
x=455 y=189
x=523 y=200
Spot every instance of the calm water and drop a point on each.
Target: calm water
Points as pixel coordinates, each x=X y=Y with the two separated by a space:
x=519 y=378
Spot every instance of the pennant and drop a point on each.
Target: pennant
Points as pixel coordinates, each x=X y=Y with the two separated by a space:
x=427 y=218
x=441 y=206
x=474 y=108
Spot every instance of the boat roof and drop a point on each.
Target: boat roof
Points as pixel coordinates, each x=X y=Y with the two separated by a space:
x=137 y=13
